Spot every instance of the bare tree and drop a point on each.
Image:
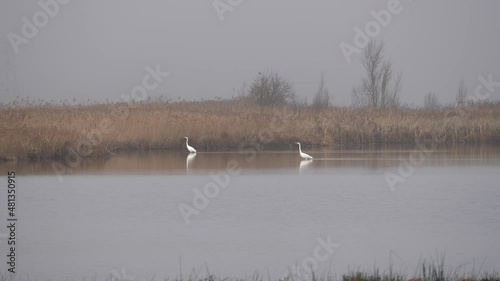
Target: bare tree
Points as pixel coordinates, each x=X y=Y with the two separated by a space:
x=431 y=101
x=322 y=96
x=270 y=89
x=379 y=88
x=462 y=93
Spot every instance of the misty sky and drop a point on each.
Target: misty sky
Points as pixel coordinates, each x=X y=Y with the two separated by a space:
x=99 y=50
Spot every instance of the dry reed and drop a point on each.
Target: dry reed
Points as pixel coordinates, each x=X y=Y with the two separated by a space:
x=52 y=131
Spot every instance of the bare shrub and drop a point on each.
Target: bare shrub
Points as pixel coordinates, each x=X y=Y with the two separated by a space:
x=431 y=101
x=462 y=93
x=322 y=97
x=379 y=89
x=270 y=89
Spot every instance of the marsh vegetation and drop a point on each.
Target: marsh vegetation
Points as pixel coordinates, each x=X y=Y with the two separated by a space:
x=51 y=131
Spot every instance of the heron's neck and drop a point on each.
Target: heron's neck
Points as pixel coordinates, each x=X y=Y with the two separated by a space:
x=300 y=150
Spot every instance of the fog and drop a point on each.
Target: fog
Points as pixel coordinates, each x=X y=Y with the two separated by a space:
x=97 y=50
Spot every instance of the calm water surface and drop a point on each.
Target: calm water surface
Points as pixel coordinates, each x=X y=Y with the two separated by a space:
x=264 y=213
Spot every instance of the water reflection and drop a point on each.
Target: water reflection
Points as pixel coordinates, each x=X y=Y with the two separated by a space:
x=190 y=157
x=269 y=213
x=177 y=162
x=303 y=164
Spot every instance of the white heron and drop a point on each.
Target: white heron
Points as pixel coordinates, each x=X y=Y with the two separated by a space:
x=302 y=154
x=190 y=148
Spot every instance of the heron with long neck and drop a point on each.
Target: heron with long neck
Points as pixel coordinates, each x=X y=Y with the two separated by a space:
x=189 y=148
x=302 y=154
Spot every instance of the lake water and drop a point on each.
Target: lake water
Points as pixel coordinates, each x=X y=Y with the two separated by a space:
x=264 y=212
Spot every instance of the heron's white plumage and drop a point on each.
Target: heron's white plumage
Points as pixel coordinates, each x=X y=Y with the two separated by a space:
x=190 y=148
x=302 y=154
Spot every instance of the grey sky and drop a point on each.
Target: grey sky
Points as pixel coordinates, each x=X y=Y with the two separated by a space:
x=99 y=49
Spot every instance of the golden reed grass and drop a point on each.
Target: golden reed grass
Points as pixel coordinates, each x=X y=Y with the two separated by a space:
x=50 y=131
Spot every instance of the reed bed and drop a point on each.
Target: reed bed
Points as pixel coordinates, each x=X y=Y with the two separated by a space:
x=52 y=131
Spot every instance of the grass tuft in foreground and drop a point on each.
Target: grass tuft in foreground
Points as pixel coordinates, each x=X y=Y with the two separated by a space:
x=433 y=270
x=427 y=271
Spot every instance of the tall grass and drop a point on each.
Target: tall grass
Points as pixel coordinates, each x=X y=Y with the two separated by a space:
x=433 y=272
x=427 y=270
x=49 y=131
